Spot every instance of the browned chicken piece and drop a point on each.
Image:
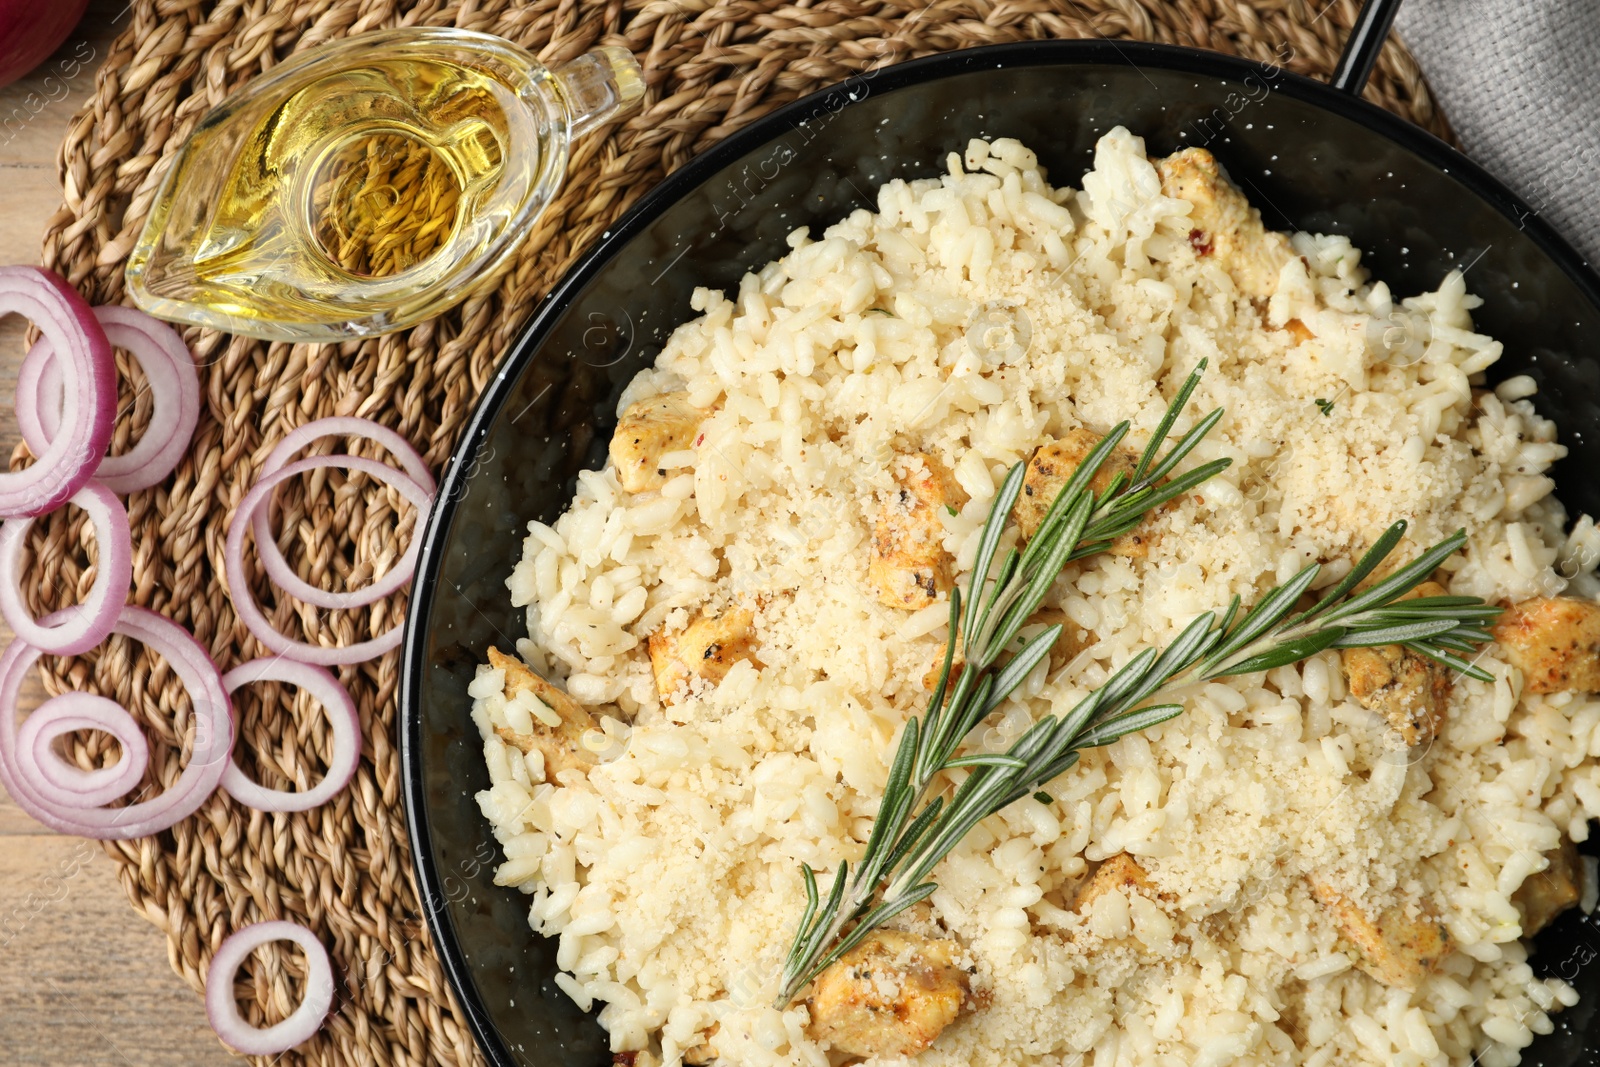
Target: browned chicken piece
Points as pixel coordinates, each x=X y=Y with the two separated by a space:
x=562 y=746
x=1401 y=948
x=1555 y=642
x=1550 y=892
x=909 y=566
x=1052 y=466
x=1120 y=874
x=705 y=1052
x=891 y=995
x=1411 y=691
x=705 y=649
x=649 y=430
x=1224 y=224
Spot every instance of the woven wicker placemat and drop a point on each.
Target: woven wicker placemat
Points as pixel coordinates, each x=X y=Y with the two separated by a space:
x=711 y=67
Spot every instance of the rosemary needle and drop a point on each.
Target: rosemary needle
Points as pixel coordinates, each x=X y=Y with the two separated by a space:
x=914 y=830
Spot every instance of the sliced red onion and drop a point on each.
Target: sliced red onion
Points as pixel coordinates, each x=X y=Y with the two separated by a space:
x=40 y=395
x=244 y=604
x=83 y=625
x=60 y=782
x=342 y=715
x=89 y=405
x=223 y=1010
x=174 y=388
x=272 y=561
x=21 y=773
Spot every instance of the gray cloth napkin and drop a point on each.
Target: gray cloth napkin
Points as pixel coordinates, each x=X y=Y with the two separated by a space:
x=1520 y=82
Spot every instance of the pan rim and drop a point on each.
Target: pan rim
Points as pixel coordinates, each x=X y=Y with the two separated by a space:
x=682 y=182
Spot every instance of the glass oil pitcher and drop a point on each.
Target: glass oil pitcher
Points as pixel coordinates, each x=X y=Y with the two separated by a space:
x=367 y=184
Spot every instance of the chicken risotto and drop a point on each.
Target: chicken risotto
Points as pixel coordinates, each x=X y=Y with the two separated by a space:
x=751 y=628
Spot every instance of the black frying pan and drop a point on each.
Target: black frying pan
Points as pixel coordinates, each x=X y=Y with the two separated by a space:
x=1311 y=156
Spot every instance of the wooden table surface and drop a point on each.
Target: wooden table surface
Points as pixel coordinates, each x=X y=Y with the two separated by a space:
x=84 y=980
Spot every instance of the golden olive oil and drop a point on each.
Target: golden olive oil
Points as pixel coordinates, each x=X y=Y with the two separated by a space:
x=354 y=190
x=384 y=204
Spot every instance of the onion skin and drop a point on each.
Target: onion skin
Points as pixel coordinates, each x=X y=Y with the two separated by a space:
x=212 y=736
x=57 y=781
x=272 y=561
x=91 y=390
x=170 y=378
x=89 y=623
x=30 y=30
x=342 y=716
x=244 y=604
x=223 y=1011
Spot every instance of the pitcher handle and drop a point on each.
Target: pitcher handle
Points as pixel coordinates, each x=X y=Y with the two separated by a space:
x=598 y=85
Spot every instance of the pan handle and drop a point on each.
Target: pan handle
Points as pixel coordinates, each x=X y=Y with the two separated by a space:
x=1363 y=45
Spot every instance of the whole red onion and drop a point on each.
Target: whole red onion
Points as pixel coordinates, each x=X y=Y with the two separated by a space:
x=30 y=30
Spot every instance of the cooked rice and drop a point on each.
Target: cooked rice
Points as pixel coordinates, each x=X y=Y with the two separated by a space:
x=669 y=874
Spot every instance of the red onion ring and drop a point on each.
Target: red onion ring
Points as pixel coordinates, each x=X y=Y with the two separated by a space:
x=57 y=780
x=90 y=395
x=84 y=625
x=223 y=1010
x=244 y=604
x=208 y=758
x=174 y=387
x=342 y=715
x=278 y=570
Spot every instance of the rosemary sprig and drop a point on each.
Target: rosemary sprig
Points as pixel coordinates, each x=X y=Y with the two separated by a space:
x=914 y=831
x=1079 y=523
